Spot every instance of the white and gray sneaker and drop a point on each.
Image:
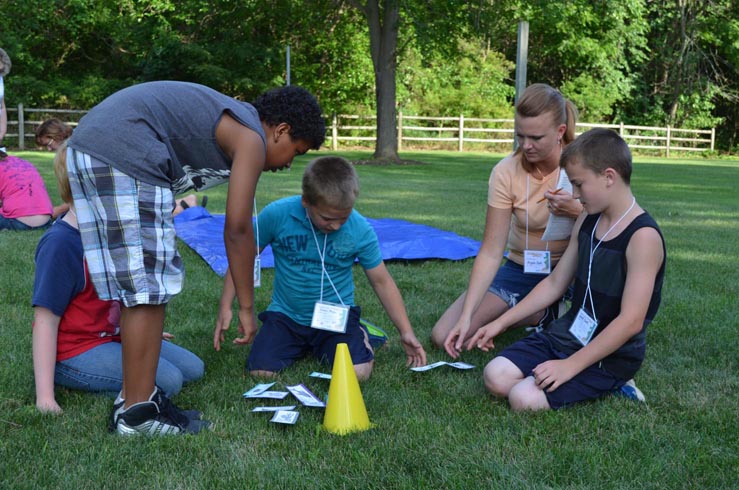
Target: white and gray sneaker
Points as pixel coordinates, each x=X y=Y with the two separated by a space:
x=118 y=409
x=155 y=417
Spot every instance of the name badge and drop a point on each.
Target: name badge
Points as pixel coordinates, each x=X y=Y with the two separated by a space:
x=330 y=316
x=583 y=327
x=257 y=271
x=537 y=262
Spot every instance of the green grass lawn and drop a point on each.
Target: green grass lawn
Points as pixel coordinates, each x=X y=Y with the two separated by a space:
x=437 y=429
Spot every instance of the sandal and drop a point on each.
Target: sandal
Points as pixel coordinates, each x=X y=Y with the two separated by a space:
x=204 y=201
x=183 y=204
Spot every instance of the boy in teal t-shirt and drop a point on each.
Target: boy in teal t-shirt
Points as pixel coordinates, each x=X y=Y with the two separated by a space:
x=315 y=240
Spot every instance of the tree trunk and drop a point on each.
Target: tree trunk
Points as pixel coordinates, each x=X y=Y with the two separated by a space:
x=383 y=30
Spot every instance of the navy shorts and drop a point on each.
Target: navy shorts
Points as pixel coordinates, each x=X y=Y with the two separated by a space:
x=511 y=284
x=281 y=341
x=591 y=383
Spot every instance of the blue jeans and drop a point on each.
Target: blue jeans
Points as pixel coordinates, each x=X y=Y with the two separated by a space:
x=100 y=369
x=15 y=225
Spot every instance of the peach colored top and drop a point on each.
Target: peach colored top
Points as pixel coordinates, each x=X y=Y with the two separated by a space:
x=507 y=190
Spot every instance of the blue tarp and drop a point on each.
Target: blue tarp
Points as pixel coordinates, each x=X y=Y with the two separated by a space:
x=399 y=240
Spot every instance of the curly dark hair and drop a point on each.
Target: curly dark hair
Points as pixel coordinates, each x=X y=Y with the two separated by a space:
x=298 y=108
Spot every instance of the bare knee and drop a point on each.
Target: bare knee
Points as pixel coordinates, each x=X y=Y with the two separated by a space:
x=263 y=374
x=438 y=336
x=363 y=371
x=527 y=396
x=500 y=375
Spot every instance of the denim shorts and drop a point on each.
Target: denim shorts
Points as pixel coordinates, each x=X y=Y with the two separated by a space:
x=281 y=341
x=511 y=284
x=591 y=383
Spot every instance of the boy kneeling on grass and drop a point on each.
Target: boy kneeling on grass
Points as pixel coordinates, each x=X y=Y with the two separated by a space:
x=315 y=240
x=616 y=256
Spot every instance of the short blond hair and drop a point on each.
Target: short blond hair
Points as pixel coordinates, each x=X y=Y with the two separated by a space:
x=331 y=181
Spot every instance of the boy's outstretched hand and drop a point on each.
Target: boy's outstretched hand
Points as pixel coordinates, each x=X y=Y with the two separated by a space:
x=455 y=337
x=246 y=333
x=413 y=350
x=483 y=338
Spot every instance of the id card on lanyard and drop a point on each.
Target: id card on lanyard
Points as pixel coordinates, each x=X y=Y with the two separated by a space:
x=258 y=258
x=330 y=316
x=584 y=325
x=537 y=262
x=327 y=316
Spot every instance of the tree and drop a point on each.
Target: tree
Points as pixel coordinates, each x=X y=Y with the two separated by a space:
x=383 y=17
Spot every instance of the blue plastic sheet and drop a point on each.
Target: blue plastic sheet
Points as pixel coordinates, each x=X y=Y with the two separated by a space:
x=399 y=240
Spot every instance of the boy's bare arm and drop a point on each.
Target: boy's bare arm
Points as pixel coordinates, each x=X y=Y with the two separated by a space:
x=644 y=257
x=225 y=314
x=247 y=152
x=389 y=294
x=544 y=294
x=45 y=329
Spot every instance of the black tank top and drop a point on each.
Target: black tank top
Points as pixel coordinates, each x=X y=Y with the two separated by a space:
x=607 y=282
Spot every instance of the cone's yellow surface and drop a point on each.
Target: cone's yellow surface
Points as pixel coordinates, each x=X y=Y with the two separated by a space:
x=345 y=410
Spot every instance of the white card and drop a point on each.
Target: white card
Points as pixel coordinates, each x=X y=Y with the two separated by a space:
x=273 y=409
x=258 y=389
x=285 y=417
x=257 y=271
x=305 y=396
x=274 y=395
x=559 y=227
x=330 y=316
x=537 y=262
x=583 y=327
x=428 y=367
x=460 y=365
x=316 y=374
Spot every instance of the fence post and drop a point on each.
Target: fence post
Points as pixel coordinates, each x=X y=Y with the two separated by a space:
x=461 y=132
x=21 y=128
x=400 y=130
x=334 y=133
x=668 y=141
x=621 y=130
x=713 y=137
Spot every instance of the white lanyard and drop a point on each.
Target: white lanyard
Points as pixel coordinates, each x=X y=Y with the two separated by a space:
x=588 y=292
x=257 y=254
x=322 y=255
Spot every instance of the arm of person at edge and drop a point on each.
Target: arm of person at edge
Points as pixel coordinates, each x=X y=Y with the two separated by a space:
x=644 y=256
x=59 y=210
x=484 y=269
x=563 y=204
x=3 y=120
x=247 y=152
x=45 y=329
x=549 y=290
x=389 y=294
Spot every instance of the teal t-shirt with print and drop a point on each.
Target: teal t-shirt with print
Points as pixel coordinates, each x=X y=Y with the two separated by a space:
x=284 y=224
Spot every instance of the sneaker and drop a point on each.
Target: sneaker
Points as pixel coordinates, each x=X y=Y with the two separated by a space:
x=118 y=409
x=157 y=416
x=630 y=391
x=377 y=336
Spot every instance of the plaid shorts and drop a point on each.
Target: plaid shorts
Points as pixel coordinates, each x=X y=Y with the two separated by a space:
x=127 y=230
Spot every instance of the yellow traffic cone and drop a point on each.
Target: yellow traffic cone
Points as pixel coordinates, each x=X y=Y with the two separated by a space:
x=345 y=411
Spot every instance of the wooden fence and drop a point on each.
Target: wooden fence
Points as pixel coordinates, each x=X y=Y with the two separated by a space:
x=460 y=133
x=419 y=132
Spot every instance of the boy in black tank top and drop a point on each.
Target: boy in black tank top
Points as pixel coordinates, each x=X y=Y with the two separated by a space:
x=616 y=259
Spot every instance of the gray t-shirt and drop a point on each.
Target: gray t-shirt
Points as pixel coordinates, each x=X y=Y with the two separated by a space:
x=164 y=133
